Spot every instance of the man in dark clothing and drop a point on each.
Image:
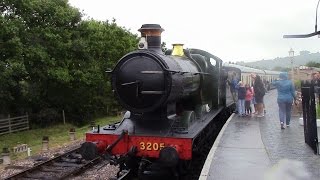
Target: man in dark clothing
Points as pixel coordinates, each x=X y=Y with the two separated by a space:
x=233 y=84
x=315 y=78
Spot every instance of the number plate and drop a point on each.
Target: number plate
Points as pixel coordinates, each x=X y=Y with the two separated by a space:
x=149 y=146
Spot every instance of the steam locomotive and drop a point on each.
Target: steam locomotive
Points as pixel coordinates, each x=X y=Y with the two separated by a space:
x=174 y=101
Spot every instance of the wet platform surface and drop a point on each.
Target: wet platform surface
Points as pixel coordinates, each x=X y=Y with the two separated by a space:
x=257 y=148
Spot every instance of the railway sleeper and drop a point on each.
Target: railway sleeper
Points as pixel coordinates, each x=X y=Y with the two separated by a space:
x=51 y=170
x=67 y=160
x=42 y=176
x=75 y=155
x=57 y=168
x=66 y=164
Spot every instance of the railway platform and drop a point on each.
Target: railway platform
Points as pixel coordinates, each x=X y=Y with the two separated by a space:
x=253 y=148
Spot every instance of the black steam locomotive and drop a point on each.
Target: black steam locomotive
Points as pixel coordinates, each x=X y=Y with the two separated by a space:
x=175 y=101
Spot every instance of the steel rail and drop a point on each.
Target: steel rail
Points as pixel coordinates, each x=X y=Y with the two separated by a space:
x=61 y=164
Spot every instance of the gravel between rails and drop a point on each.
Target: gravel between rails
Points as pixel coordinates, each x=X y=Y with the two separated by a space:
x=96 y=172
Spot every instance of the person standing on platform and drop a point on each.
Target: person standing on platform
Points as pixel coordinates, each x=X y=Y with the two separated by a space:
x=259 y=92
x=315 y=78
x=248 y=99
x=233 y=83
x=241 y=98
x=316 y=82
x=254 y=103
x=286 y=95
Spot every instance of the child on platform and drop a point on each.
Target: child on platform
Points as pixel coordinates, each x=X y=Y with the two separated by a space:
x=248 y=99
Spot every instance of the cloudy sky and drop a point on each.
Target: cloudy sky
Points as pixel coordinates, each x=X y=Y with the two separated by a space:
x=234 y=30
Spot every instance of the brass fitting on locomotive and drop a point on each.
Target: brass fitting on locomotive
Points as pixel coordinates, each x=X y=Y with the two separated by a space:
x=177 y=50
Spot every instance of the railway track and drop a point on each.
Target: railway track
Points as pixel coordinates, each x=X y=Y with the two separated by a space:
x=60 y=167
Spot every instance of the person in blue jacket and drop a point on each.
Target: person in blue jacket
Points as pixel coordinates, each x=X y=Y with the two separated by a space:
x=241 y=98
x=286 y=95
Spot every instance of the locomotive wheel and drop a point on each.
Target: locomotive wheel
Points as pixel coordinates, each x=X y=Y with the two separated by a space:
x=185 y=170
x=89 y=150
x=129 y=168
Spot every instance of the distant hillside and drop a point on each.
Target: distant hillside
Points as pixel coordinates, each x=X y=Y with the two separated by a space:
x=302 y=59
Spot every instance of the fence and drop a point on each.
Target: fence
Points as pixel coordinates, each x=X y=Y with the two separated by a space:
x=310 y=114
x=14 y=124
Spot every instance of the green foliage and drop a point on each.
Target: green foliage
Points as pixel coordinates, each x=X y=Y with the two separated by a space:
x=313 y=64
x=283 y=69
x=297 y=85
x=58 y=136
x=164 y=47
x=51 y=60
x=318 y=111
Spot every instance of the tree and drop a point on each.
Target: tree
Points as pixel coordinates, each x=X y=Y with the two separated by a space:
x=164 y=47
x=313 y=64
x=304 y=53
x=97 y=47
x=278 y=68
x=12 y=69
x=41 y=32
x=52 y=60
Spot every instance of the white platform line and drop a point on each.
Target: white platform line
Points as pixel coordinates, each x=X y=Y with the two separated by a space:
x=206 y=166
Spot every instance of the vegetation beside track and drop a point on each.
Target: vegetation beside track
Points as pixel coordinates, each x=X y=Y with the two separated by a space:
x=58 y=136
x=54 y=61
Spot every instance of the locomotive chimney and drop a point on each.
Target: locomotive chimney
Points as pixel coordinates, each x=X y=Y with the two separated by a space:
x=152 y=34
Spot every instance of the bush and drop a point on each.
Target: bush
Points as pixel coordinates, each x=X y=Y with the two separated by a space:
x=46 y=117
x=318 y=111
x=297 y=85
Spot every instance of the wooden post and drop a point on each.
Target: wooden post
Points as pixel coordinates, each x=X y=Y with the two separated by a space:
x=92 y=124
x=29 y=152
x=9 y=123
x=63 y=116
x=45 y=143
x=72 y=134
x=6 y=156
x=27 y=120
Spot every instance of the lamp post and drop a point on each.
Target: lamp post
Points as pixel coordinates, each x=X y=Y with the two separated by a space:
x=291 y=55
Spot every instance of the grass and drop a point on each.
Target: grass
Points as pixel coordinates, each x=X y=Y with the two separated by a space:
x=318 y=110
x=58 y=137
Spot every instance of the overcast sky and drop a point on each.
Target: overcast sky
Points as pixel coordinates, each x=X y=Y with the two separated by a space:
x=234 y=30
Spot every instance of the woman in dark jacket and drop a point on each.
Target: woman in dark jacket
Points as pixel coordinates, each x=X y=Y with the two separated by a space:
x=286 y=95
x=259 y=92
